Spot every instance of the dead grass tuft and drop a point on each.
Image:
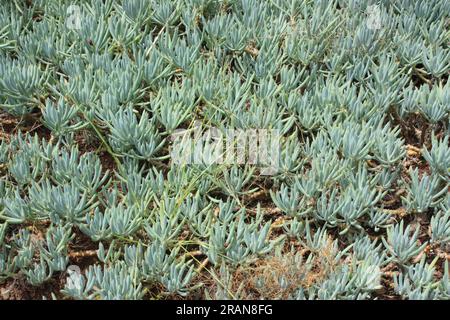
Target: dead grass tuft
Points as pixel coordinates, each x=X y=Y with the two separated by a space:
x=281 y=274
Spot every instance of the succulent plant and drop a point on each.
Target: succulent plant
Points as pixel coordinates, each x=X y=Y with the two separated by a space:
x=95 y=95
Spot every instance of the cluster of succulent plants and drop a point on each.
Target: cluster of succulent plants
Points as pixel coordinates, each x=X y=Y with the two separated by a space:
x=358 y=208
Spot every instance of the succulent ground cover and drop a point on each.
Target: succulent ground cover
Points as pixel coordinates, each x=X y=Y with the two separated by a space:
x=94 y=206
